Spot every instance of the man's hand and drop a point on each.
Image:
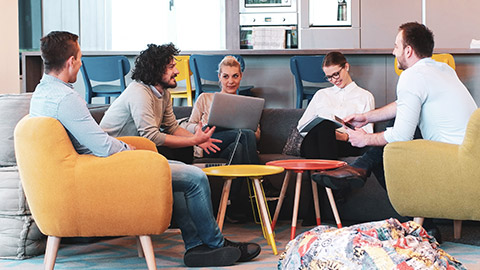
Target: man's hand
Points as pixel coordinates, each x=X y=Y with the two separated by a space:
x=357 y=120
x=204 y=139
x=357 y=137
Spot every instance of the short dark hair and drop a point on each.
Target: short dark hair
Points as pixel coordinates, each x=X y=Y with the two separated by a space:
x=419 y=37
x=334 y=59
x=56 y=48
x=150 y=65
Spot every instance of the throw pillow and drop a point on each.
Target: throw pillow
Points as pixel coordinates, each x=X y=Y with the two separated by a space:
x=15 y=106
x=294 y=141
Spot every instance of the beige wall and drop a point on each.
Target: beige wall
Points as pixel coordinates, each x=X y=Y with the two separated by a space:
x=9 y=57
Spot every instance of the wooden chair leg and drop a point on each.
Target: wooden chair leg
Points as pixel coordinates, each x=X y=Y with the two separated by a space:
x=139 y=248
x=457 y=229
x=419 y=220
x=53 y=243
x=147 y=247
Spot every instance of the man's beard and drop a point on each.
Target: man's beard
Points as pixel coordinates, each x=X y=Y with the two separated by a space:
x=166 y=85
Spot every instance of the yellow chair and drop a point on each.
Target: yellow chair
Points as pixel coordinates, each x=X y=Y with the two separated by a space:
x=443 y=57
x=436 y=180
x=72 y=195
x=185 y=73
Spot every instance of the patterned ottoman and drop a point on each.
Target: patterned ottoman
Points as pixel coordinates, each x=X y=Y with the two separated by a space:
x=385 y=244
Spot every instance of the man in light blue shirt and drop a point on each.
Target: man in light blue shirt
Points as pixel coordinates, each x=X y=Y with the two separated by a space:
x=429 y=95
x=55 y=97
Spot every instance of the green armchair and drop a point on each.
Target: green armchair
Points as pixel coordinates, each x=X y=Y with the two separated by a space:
x=436 y=180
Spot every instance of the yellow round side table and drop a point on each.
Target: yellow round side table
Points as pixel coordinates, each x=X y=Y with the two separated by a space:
x=255 y=173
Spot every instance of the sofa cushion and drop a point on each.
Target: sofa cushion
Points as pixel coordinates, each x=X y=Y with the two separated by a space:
x=12 y=198
x=15 y=107
x=20 y=237
x=276 y=125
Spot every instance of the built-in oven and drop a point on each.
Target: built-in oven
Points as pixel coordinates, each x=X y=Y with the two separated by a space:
x=266 y=6
x=279 y=30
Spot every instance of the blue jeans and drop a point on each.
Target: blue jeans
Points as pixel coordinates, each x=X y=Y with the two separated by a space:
x=246 y=152
x=192 y=206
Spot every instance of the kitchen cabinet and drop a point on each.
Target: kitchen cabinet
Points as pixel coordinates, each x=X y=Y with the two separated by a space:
x=454 y=23
x=380 y=20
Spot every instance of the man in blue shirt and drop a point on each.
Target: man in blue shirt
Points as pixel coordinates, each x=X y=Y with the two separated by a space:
x=55 y=97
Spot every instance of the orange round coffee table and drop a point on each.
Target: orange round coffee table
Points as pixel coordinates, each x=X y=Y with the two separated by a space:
x=299 y=166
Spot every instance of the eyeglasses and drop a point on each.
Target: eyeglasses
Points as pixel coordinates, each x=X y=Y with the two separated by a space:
x=335 y=75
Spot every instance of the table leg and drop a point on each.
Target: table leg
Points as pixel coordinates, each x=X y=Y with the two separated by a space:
x=334 y=207
x=315 y=202
x=281 y=198
x=298 y=187
x=222 y=208
x=264 y=214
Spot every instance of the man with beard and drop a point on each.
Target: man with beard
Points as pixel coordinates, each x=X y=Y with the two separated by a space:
x=429 y=95
x=145 y=109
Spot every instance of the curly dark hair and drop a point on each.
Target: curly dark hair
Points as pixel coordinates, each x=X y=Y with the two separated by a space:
x=56 y=48
x=150 y=65
x=419 y=37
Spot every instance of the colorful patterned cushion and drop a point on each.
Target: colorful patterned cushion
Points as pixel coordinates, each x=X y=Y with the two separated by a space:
x=385 y=244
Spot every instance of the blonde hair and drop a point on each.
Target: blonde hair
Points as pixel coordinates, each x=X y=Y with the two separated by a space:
x=229 y=61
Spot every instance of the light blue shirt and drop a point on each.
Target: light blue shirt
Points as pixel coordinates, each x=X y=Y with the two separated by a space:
x=57 y=99
x=430 y=95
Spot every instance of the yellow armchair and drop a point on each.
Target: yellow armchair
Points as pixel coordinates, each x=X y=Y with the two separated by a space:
x=128 y=193
x=436 y=180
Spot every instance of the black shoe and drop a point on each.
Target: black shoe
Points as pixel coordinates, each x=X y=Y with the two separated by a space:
x=435 y=232
x=341 y=178
x=248 y=250
x=204 y=256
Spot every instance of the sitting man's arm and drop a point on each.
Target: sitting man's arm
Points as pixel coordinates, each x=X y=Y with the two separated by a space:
x=76 y=118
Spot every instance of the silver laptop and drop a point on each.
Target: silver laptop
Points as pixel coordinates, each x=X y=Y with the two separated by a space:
x=235 y=112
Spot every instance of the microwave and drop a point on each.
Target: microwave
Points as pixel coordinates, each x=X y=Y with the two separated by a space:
x=264 y=6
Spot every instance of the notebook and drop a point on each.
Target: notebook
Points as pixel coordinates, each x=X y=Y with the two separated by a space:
x=235 y=112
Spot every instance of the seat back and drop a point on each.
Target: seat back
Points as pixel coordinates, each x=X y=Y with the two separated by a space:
x=183 y=67
x=41 y=145
x=442 y=57
x=308 y=69
x=104 y=69
x=205 y=67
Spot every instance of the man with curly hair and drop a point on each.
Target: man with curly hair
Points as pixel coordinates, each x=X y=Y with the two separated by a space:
x=145 y=109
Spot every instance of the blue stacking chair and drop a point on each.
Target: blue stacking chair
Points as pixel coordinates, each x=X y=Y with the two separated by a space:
x=206 y=67
x=104 y=69
x=308 y=69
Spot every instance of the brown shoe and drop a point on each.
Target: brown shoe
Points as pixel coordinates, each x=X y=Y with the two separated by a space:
x=341 y=178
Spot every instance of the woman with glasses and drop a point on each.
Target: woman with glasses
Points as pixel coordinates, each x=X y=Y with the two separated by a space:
x=325 y=140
